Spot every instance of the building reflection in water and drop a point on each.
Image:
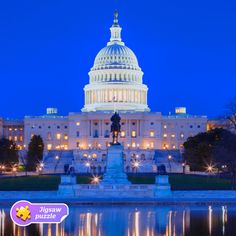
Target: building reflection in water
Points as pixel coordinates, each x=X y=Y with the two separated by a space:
x=131 y=221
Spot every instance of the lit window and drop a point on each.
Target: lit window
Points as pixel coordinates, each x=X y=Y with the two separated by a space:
x=21 y=129
x=165 y=146
x=10 y=129
x=21 y=138
x=66 y=137
x=66 y=147
x=15 y=129
x=10 y=138
x=94 y=155
x=174 y=147
x=133 y=134
x=165 y=126
x=58 y=136
x=78 y=123
x=182 y=135
x=165 y=135
x=122 y=134
x=15 y=138
x=133 y=145
x=49 y=146
x=85 y=155
x=152 y=134
x=172 y=135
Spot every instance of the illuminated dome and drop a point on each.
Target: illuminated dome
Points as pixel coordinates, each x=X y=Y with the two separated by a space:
x=116 y=56
x=115 y=78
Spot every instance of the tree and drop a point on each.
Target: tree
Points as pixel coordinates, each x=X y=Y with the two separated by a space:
x=216 y=147
x=8 y=152
x=230 y=113
x=35 y=152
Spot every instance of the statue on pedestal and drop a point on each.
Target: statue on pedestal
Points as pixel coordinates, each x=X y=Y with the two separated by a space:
x=115 y=128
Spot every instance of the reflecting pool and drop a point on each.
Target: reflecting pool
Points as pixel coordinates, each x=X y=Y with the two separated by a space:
x=132 y=221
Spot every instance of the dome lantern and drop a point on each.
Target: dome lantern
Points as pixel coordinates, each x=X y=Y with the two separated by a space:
x=115 y=31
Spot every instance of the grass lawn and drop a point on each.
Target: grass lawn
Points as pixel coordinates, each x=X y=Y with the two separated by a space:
x=187 y=182
x=51 y=182
x=29 y=183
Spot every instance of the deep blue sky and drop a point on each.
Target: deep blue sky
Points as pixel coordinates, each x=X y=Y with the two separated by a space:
x=187 y=50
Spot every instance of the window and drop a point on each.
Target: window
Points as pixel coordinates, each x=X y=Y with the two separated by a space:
x=107 y=134
x=77 y=123
x=122 y=134
x=172 y=135
x=77 y=134
x=199 y=126
x=77 y=144
x=95 y=123
x=123 y=123
x=191 y=126
x=49 y=127
x=10 y=129
x=165 y=135
x=49 y=136
x=95 y=135
x=94 y=155
x=58 y=136
x=65 y=127
x=21 y=138
x=133 y=134
x=58 y=127
x=152 y=123
x=107 y=123
x=152 y=134
x=49 y=146
x=165 y=126
x=15 y=138
x=66 y=137
x=40 y=127
x=133 y=123
x=15 y=129
x=182 y=135
x=10 y=138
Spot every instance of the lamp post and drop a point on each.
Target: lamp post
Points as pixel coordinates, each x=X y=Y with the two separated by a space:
x=136 y=166
x=57 y=160
x=169 y=160
x=183 y=165
x=87 y=164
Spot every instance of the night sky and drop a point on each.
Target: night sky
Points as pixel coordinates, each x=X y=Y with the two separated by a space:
x=187 y=50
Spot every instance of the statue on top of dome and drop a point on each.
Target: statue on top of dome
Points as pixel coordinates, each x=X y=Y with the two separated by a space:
x=116 y=18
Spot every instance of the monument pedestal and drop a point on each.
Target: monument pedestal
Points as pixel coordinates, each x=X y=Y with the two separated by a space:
x=162 y=186
x=67 y=185
x=115 y=168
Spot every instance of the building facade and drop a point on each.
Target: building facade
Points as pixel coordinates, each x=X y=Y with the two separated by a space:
x=115 y=84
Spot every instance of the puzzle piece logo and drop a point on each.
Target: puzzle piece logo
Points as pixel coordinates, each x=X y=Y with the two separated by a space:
x=23 y=213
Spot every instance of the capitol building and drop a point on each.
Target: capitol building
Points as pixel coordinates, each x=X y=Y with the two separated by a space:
x=115 y=84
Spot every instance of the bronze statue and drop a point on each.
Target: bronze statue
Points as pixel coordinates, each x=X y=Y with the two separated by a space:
x=115 y=128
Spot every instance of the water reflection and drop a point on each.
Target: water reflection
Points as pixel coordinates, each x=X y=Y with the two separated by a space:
x=132 y=221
